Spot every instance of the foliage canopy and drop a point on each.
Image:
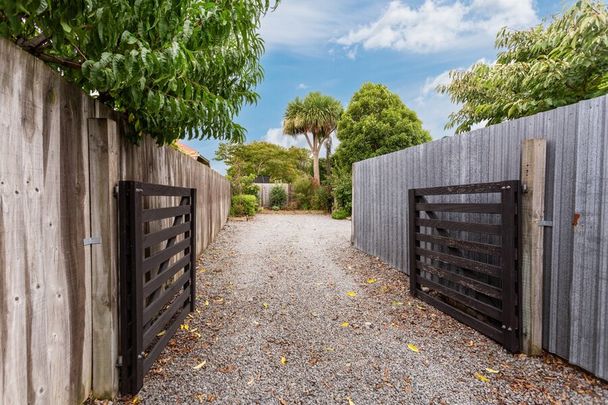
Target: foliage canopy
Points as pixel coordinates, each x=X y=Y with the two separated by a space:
x=264 y=159
x=376 y=122
x=537 y=69
x=176 y=68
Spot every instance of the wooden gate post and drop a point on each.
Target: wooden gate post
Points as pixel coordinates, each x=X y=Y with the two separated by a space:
x=533 y=166
x=104 y=174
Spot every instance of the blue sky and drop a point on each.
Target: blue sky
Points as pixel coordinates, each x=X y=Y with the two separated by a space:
x=334 y=46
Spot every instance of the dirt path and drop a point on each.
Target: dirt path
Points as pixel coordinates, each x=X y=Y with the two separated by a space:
x=288 y=313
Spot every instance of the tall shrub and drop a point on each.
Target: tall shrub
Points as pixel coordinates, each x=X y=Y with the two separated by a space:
x=278 y=196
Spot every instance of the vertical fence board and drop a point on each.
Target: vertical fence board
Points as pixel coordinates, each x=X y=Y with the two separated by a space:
x=104 y=166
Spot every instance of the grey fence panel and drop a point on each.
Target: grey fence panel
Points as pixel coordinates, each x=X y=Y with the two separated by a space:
x=576 y=256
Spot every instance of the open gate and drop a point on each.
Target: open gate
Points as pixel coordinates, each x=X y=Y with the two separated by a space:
x=463 y=249
x=157 y=272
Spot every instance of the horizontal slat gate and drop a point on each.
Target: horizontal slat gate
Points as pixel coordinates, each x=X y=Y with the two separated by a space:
x=157 y=272
x=468 y=268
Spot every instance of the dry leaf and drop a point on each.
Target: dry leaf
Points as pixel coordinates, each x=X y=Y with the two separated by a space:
x=491 y=370
x=283 y=360
x=351 y=294
x=136 y=399
x=201 y=365
x=413 y=348
x=420 y=307
x=265 y=305
x=184 y=326
x=482 y=378
x=207 y=302
x=345 y=324
x=350 y=401
x=371 y=280
x=161 y=333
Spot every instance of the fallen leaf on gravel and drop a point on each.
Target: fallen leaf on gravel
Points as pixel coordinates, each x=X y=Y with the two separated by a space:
x=345 y=324
x=227 y=369
x=371 y=280
x=420 y=307
x=265 y=305
x=351 y=294
x=482 y=378
x=283 y=360
x=251 y=380
x=184 y=326
x=201 y=365
x=350 y=401
x=491 y=370
x=193 y=330
x=397 y=303
x=413 y=348
x=136 y=400
x=161 y=333
x=207 y=302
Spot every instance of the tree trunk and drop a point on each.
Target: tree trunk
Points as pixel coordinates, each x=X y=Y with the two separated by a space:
x=328 y=158
x=316 y=182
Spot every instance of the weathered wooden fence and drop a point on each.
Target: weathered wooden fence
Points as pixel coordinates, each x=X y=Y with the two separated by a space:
x=61 y=156
x=575 y=321
x=264 y=192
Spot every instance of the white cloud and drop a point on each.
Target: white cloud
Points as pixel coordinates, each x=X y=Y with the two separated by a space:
x=437 y=26
x=276 y=136
x=433 y=108
x=303 y=25
x=351 y=52
x=302 y=86
x=431 y=83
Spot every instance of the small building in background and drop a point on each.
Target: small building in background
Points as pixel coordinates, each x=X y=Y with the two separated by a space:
x=194 y=154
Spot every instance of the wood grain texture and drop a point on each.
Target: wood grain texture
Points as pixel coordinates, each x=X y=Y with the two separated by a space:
x=575 y=306
x=533 y=168
x=57 y=296
x=104 y=173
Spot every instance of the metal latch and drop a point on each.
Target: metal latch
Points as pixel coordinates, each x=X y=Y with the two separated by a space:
x=93 y=240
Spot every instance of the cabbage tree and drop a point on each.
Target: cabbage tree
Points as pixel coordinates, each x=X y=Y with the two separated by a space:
x=316 y=118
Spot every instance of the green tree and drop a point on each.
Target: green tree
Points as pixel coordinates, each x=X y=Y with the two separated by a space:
x=316 y=117
x=376 y=122
x=538 y=69
x=264 y=159
x=175 y=68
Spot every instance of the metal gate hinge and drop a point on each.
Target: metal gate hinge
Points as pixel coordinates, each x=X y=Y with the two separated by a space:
x=93 y=240
x=545 y=223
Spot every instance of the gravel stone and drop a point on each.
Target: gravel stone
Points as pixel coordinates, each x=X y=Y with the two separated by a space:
x=275 y=325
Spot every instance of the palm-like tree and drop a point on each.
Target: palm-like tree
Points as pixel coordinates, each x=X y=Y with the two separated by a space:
x=316 y=117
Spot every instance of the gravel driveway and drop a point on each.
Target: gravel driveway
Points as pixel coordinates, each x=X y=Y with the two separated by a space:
x=288 y=312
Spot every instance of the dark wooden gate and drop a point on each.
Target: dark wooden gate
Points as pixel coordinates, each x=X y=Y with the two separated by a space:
x=464 y=255
x=157 y=272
